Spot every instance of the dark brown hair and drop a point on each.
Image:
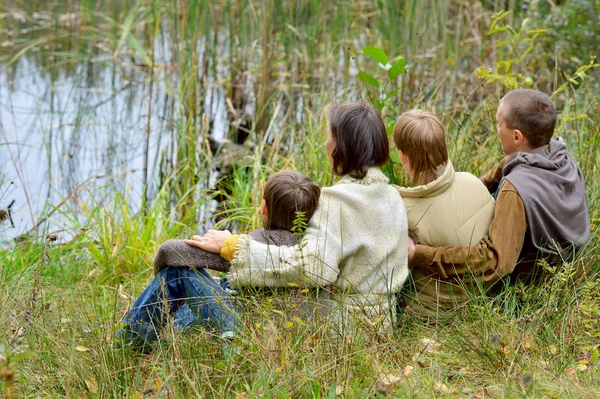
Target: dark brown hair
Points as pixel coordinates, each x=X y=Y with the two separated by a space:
x=360 y=139
x=533 y=113
x=422 y=138
x=286 y=193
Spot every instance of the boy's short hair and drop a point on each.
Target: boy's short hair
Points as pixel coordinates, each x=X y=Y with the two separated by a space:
x=360 y=139
x=533 y=113
x=286 y=193
x=421 y=137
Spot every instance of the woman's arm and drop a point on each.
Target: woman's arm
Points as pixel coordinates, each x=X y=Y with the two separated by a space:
x=176 y=253
x=313 y=262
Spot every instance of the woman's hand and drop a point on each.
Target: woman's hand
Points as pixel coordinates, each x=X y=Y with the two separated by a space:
x=211 y=241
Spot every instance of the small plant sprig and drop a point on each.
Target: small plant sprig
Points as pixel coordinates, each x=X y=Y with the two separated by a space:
x=381 y=91
x=518 y=45
x=300 y=224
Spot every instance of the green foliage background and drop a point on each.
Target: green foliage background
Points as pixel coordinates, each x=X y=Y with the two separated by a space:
x=61 y=302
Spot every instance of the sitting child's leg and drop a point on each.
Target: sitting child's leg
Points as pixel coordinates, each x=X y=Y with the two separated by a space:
x=176 y=253
x=169 y=290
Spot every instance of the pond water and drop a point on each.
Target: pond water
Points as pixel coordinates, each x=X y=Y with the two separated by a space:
x=62 y=134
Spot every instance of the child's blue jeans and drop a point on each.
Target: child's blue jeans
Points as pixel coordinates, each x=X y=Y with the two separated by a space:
x=173 y=287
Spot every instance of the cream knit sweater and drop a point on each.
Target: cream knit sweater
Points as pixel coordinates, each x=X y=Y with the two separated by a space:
x=356 y=243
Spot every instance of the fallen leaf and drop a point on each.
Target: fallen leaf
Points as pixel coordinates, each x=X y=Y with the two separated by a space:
x=299 y=321
x=594 y=358
x=441 y=387
x=82 y=348
x=429 y=345
x=553 y=349
x=385 y=383
x=92 y=386
x=408 y=371
x=506 y=351
x=527 y=342
x=570 y=372
x=582 y=367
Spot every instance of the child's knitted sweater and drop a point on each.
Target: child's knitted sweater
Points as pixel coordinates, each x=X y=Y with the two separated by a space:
x=176 y=253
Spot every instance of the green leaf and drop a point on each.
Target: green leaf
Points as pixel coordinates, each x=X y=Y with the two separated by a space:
x=594 y=357
x=395 y=157
x=21 y=356
x=376 y=53
x=368 y=79
x=397 y=69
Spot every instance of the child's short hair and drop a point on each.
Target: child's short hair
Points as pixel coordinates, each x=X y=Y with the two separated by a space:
x=359 y=136
x=286 y=193
x=532 y=112
x=421 y=137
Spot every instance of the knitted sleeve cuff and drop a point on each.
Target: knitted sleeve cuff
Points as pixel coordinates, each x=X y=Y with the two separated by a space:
x=229 y=247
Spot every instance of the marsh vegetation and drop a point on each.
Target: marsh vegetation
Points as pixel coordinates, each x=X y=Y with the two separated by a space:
x=126 y=123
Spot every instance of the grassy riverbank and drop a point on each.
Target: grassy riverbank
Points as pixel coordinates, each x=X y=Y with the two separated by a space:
x=279 y=64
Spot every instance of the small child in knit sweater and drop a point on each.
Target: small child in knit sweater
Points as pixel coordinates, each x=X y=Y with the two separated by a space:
x=287 y=195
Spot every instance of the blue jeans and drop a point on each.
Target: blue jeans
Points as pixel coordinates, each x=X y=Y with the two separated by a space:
x=173 y=287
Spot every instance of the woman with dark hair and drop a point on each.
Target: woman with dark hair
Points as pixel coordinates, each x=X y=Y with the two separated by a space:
x=356 y=241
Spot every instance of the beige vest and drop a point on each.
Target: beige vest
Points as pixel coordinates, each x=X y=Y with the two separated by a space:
x=454 y=210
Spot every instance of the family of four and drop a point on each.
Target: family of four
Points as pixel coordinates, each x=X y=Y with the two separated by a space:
x=454 y=232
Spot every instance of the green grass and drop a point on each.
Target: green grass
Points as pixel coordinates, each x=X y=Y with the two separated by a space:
x=59 y=312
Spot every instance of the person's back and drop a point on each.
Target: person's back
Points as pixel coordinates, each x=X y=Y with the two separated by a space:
x=355 y=244
x=454 y=210
x=541 y=207
x=444 y=208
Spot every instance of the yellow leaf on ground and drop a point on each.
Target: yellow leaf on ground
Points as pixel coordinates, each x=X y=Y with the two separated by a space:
x=582 y=367
x=408 y=371
x=526 y=342
x=506 y=351
x=82 y=348
x=441 y=387
x=92 y=386
x=429 y=345
x=553 y=349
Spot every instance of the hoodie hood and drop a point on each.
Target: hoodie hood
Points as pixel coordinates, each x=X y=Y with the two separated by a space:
x=552 y=188
x=431 y=189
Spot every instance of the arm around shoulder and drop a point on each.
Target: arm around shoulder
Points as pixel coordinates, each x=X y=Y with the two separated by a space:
x=494 y=256
x=176 y=253
x=313 y=262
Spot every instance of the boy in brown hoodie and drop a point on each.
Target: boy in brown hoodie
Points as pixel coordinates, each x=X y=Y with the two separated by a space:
x=541 y=206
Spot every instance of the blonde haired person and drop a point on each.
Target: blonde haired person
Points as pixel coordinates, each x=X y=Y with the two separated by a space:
x=444 y=207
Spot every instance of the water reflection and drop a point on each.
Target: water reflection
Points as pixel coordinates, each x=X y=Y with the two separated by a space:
x=87 y=128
